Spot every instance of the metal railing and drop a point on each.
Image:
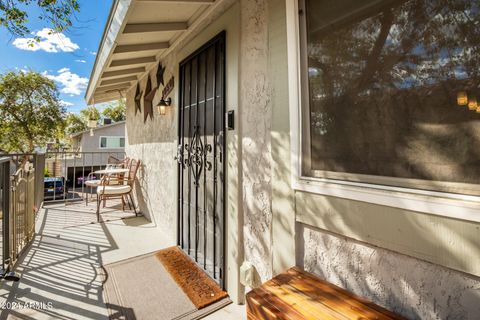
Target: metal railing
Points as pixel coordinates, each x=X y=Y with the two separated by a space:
x=17 y=196
x=61 y=175
x=17 y=160
x=29 y=179
x=71 y=169
x=5 y=207
x=22 y=211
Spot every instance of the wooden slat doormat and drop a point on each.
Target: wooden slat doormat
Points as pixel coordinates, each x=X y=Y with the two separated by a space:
x=196 y=284
x=296 y=295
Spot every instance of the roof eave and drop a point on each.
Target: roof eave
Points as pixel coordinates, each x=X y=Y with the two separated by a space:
x=115 y=23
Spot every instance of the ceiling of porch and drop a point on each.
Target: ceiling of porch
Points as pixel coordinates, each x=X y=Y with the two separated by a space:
x=137 y=34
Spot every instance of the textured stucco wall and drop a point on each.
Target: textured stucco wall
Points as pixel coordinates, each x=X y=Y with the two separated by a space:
x=154 y=143
x=411 y=287
x=256 y=111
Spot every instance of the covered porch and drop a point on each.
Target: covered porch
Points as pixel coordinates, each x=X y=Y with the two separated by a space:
x=61 y=273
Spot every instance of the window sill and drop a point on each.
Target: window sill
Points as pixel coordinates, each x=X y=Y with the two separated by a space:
x=449 y=205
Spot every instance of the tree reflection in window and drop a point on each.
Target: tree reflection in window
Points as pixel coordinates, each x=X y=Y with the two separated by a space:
x=383 y=80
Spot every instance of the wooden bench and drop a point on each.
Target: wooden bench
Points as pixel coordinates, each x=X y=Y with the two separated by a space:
x=296 y=295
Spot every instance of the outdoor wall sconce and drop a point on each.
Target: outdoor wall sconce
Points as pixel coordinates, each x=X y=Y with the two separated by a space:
x=472 y=103
x=163 y=104
x=462 y=98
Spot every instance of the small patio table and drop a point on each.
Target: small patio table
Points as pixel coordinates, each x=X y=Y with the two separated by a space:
x=107 y=172
x=111 y=171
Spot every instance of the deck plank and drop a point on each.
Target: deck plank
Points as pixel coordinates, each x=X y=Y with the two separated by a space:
x=297 y=295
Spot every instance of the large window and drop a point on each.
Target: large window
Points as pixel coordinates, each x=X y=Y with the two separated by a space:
x=391 y=92
x=112 y=142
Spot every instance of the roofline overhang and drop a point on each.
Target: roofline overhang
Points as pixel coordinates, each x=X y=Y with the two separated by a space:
x=115 y=24
x=118 y=19
x=76 y=134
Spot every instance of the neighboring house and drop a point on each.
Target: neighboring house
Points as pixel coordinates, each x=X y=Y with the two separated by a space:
x=90 y=151
x=107 y=137
x=340 y=136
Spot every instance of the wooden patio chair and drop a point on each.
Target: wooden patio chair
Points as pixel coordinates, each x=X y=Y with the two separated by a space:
x=120 y=189
x=94 y=183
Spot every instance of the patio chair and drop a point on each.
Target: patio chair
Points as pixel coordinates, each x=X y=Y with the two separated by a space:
x=94 y=183
x=119 y=190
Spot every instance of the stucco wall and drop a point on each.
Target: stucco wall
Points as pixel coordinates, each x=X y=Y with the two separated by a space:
x=408 y=286
x=153 y=143
x=256 y=117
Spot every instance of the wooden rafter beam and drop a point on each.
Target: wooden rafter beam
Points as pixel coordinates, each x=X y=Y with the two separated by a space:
x=118 y=80
x=141 y=47
x=155 y=27
x=126 y=62
x=119 y=86
x=109 y=74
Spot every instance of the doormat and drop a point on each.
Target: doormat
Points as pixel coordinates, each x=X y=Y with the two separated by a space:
x=141 y=288
x=197 y=285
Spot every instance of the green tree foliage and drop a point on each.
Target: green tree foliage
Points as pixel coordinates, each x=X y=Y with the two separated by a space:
x=30 y=111
x=57 y=13
x=116 y=110
x=74 y=123
x=90 y=113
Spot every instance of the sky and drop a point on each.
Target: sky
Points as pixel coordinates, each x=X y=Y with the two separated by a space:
x=66 y=58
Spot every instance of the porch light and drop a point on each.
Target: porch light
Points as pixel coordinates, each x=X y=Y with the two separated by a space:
x=462 y=98
x=472 y=103
x=162 y=106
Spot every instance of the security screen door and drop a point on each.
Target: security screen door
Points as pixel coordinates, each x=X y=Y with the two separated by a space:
x=201 y=157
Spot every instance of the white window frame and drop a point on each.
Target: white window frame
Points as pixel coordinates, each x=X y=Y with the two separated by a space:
x=100 y=142
x=452 y=205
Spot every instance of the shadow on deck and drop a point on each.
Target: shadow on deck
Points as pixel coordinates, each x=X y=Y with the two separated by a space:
x=61 y=274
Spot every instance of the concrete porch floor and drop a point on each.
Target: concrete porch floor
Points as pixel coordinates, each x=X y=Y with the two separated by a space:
x=60 y=271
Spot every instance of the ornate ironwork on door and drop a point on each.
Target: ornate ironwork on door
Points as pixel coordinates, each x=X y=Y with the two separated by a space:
x=200 y=157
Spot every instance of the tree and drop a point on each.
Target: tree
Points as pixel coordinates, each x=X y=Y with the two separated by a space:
x=74 y=123
x=116 y=110
x=30 y=111
x=14 y=16
x=90 y=113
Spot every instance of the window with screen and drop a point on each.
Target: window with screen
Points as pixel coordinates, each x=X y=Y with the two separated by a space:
x=391 y=91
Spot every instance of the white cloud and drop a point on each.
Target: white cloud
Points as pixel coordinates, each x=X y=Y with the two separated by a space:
x=71 y=83
x=93 y=53
x=50 y=41
x=66 y=103
x=81 y=61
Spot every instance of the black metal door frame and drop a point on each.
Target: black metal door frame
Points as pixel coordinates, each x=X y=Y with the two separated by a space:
x=201 y=157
